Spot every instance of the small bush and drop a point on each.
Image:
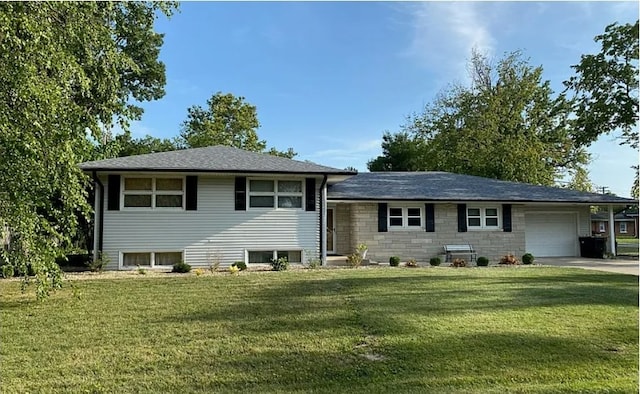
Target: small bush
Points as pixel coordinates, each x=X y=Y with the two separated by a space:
x=527 y=258
x=435 y=261
x=240 y=264
x=141 y=271
x=313 y=262
x=411 y=263
x=482 y=261
x=394 y=261
x=98 y=264
x=459 y=263
x=280 y=264
x=356 y=258
x=7 y=271
x=233 y=269
x=198 y=271
x=181 y=267
x=509 y=259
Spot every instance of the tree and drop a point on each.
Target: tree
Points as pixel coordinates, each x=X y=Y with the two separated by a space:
x=400 y=152
x=228 y=120
x=606 y=87
x=67 y=69
x=128 y=146
x=505 y=125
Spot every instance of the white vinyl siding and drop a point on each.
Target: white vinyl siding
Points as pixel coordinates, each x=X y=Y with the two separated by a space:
x=214 y=231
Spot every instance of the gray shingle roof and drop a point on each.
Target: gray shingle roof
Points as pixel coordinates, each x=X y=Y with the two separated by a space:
x=210 y=159
x=444 y=186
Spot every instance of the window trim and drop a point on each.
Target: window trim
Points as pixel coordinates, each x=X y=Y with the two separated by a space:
x=483 y=217
x=276 y=194
x=626 y=228
x=274 y=254
x=405 y=218
x=152 y=260
x=153 y=192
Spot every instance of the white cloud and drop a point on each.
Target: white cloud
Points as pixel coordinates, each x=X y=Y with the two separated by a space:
x=444 y=33
x=347 y=154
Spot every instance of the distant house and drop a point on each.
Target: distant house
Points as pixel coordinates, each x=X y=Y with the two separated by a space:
x=225 y=204
x=625 y=223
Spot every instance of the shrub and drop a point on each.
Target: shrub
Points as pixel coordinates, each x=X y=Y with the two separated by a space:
x=98 y=264
x=482 y=261
x=240 y=264
x=313 y=261
x=181 y=267
x=394 y=261
x=411 y=263
x=527 y=258
x=356 y=258
x=198 y=271
x=141 y=271
x=7 y=271
x=459 y=263
x=435 y=261
x=233 y=269
x=509 y=259
x=280 y=264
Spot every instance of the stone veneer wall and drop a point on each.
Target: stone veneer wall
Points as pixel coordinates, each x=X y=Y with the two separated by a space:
x=422 y=245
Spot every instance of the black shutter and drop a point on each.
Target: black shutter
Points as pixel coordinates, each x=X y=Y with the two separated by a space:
x=430 y=220
x=191 y=194
x=462 y=218
x=506 y=218
x=310 y=194
x=241 y=193
x=113 y=203
x=382 y=217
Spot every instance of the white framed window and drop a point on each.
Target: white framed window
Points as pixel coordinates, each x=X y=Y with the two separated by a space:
x=150 y=259
x=483 y=218
x=266 y=256
x=153 y=192
x=267 y=193
x=623 y=227
x=405 y=217
x=601 y=227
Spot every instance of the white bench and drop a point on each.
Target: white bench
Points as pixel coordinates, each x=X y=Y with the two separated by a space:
x=456 y=250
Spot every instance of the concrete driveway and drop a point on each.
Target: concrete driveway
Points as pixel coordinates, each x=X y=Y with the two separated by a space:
x=621 y=265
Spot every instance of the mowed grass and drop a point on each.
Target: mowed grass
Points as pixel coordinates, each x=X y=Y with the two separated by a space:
x=524 y=329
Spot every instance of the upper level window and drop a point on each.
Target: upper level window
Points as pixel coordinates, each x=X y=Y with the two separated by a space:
x=483 y=218
x=405 y=217
x=151 y=192
x=275 y=193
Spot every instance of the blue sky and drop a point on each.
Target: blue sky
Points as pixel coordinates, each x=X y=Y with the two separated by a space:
x=328 y=78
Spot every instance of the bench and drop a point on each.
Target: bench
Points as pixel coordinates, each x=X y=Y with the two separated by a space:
x=455 y=250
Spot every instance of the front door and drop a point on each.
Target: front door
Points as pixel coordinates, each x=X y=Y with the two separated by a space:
x=331 y=230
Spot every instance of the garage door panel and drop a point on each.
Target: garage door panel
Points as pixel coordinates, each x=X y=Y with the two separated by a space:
x=551 y=235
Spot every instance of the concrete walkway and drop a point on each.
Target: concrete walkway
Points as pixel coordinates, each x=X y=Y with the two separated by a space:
x=620 y=265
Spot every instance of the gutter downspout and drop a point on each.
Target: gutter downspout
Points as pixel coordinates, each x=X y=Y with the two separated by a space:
x=612 y=232
x=323 y=222
x=98 y=214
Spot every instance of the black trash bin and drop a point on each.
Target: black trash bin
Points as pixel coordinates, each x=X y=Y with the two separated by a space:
x=593 y=247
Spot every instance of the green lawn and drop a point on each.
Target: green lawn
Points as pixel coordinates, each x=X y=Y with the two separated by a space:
x=627 y=246
x=523 y=329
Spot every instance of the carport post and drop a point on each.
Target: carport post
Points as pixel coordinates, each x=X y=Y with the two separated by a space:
x=612 y=231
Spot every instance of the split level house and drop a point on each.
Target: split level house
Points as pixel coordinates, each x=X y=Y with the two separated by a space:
x=224 y=204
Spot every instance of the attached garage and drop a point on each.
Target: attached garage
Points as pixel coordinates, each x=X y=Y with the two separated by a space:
x=551 y=234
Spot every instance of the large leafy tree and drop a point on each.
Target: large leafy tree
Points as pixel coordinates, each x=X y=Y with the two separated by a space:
x=129 y=146
x=606 y=89
x=506 y=124
x=68 y=70
x=227 y=120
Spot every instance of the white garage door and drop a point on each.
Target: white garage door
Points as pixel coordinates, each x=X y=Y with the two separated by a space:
x=551 y=235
